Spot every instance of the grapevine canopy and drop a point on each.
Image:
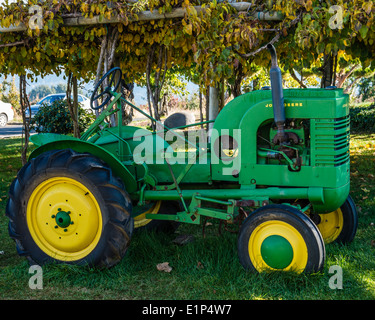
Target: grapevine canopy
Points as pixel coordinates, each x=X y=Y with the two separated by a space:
x=215 y=39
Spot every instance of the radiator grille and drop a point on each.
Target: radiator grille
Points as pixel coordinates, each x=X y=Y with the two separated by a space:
x=330 y=141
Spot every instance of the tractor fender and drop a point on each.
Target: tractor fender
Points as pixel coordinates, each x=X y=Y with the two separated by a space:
x=82 y=146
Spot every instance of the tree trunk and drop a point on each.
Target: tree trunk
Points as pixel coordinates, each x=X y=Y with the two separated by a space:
x=328 y=71
x=73 y=105
x=207 y=90
x=236 y=88
x=106 y=60
x=201 y=107
x=24 y=102
x=154 y=89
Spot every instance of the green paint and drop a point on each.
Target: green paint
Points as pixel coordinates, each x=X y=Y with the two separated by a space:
x=276 y=252
x=63 y=219
x=318 y=117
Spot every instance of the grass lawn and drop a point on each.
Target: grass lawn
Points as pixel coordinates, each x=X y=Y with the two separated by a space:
x=208 y=267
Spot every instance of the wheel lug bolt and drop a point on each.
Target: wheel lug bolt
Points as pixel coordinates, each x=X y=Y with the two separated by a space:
x=56 y=227
x=65 y=230
x=53 y=216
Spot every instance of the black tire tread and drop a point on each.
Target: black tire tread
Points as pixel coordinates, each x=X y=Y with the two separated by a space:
x=117 y=201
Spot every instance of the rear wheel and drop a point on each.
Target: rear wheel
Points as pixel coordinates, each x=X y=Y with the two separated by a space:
x=67 y=207
x=163 y=207
x=280 y=238
x=339 y=226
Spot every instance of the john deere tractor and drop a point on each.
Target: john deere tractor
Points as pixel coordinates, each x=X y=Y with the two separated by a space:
x=278 y=158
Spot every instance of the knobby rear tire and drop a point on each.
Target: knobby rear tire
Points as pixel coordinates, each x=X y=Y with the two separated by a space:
x=107 y=190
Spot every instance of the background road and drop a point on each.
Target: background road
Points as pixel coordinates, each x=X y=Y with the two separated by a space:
x=11 y=130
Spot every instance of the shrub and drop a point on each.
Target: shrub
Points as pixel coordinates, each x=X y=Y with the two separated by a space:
x=55 y=118
x=362 y=118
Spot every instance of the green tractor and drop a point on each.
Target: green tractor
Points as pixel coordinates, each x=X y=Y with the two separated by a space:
x=277 y=158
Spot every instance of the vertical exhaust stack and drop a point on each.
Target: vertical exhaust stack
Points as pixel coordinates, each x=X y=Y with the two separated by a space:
x=277 y=97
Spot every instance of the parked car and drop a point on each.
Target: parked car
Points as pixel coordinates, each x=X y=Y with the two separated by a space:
x=6 y=113
x=48 y=100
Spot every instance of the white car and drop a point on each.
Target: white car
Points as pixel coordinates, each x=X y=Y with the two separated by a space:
x=6 y=113
x=48 y=100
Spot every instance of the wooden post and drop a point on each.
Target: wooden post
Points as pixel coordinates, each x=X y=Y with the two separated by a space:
x=146 y=16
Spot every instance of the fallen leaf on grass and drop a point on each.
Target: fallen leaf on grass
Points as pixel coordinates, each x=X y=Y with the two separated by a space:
x=354 y=174
x=164 y=267
x=372 y=243
x=200 y=265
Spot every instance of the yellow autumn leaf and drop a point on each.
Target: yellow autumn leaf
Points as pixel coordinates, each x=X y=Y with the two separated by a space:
x=137 y=38
x=188 y=29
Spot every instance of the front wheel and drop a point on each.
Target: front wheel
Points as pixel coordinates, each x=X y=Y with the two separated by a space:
x=67 y=207
x=280 y=238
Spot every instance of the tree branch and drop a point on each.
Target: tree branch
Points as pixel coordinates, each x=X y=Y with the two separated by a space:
x=13 y=44
x=294 y=76
x=252 y=54
x=273 y=40
x=342 y=77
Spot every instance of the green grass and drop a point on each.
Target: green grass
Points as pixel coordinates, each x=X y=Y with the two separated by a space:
x=208 y=267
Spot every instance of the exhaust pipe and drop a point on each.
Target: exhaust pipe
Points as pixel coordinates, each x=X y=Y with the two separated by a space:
x=277 y=97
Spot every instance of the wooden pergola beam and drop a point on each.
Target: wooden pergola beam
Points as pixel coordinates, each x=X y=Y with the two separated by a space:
x=147 y=16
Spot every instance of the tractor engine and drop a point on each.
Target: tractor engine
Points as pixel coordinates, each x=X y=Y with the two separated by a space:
x=293 y=152
x=288 y=138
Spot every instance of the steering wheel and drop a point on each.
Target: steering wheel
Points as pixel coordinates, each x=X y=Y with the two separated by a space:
x=104 y=94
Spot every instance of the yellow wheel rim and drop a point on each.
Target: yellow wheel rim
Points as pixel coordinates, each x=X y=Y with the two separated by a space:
x=141 y=221
x=64 y=219
x=330 y=225
x=289 y=238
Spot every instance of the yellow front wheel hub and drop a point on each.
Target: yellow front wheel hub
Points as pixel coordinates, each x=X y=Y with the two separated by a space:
x=64 y=219
x=276 y=245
